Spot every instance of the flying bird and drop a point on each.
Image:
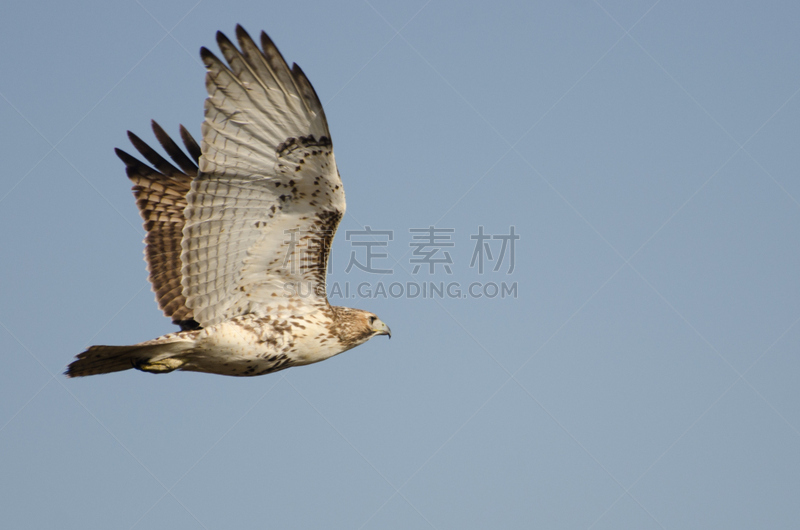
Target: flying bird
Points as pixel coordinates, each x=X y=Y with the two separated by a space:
x=239 y=228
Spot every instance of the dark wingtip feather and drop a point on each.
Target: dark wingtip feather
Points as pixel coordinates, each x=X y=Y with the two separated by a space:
x=172 y=149
x=309 y=94
x=241 y=34
x=191 y=145
x=135 y=169
x=160 y=163
x=140 y=145
x=157 y=129
x=208 y=57
x=127 y=159
x=223 y=40
x=122 y=155
x=244 y=39
x=266 y=43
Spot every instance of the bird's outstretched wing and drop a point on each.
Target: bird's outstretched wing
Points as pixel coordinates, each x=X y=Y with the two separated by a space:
x=263 y=210
x=160 y=193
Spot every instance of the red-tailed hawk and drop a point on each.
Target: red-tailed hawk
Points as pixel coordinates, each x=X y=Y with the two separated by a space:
x=238 y=234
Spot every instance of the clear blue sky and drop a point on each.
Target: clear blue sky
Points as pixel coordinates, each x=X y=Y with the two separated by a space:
x=645 y=376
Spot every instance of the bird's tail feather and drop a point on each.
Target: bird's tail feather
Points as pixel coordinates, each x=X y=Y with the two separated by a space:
x=148 y=356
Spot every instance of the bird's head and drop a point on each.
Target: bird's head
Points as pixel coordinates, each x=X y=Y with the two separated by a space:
x=377 y=326
x=357 y=326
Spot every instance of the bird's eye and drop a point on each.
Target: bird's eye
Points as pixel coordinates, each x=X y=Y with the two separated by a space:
x=371 y=320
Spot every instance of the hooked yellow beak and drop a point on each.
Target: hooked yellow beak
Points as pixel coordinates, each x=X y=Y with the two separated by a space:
x=380 y=328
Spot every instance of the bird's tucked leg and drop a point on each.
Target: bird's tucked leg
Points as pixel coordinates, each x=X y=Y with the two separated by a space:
x=162 y=366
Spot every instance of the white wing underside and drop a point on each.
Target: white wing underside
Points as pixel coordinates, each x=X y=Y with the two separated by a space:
x=263 y=210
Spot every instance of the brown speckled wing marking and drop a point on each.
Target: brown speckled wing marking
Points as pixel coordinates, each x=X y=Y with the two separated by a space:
x=161 y=197
x=267 y=171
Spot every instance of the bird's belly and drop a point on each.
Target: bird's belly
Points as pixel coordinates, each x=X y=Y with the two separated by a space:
x=248 y=348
